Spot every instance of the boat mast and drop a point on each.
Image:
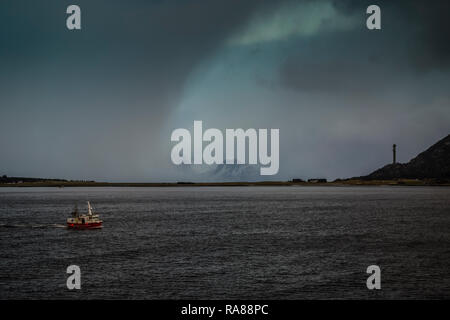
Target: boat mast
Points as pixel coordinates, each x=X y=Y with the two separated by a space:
x=89 y=208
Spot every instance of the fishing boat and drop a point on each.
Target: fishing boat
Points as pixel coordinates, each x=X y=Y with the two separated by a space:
x=84 y=221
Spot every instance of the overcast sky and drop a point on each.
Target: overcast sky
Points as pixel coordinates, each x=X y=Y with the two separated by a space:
x=101 y=103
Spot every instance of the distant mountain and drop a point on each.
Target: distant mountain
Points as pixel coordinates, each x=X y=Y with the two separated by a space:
x=235 y=172
x=220 y=172
x=434 y=163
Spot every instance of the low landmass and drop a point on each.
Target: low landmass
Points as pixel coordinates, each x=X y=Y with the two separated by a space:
x=429 y=168
x=347 y=182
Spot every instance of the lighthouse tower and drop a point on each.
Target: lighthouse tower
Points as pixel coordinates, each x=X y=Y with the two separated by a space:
x=394 y=160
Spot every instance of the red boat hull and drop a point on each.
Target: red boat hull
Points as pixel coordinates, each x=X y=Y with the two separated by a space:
x=94 y=225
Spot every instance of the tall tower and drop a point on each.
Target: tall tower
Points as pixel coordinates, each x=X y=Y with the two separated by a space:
x=394 y=146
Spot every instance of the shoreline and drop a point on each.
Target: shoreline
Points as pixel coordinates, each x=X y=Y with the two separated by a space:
x=343 y=183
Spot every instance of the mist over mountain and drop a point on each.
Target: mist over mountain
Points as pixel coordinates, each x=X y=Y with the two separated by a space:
x=221 y=173
x=234 y=172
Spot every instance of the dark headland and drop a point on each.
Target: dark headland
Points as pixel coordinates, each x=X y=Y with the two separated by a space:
x=433 y=163
x=431 y=167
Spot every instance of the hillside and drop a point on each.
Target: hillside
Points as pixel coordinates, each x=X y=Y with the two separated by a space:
x=433 y=163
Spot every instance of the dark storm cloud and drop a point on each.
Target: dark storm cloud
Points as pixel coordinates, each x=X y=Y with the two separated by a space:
x=413 y=41
x=425 y=23
x=100 y=103
x=96 y=99
x=153 y=44
x=134 y=50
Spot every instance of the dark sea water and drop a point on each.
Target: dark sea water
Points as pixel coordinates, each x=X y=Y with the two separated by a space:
x=227 y=242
